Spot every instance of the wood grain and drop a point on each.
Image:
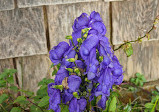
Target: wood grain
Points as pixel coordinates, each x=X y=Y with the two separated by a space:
x=61 y=18
x=144 y=60
x=22 y=33
x=6 y=64
x=6 y=5
x=31 y=3
x=133 y=18
x=33 y=69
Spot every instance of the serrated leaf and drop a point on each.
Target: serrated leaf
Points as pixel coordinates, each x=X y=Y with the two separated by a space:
x=34 y=108
x=64 y=108
x=21 y=100
x=16 y=109
x=10 y=79
x=128 y=49
x=149 y=105
x=132 y=80
x=14 y=88
x=3 y=97
x=29 y=93
x=112 y=106
x=2 y=83
x=138 y=75
x=44 y=101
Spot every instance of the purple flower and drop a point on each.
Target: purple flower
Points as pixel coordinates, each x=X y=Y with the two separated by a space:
x=74 y=82
x=102 y=102
x=99 y=27
x=95 y=16
x=77 y=105
x=61 y=74
x=87 y=45
x=81 y=22
x=67 y=96
x=55 y=98
x=56 y=53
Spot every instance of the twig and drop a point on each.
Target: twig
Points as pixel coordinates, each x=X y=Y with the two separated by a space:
x=35 y=104
x=153 y=27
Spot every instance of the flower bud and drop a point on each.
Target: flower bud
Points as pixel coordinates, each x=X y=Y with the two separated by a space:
x=71 y=60
x=100 y=58
x=79 y=40
x=60 y=87
x=69 y=69
x=85 y=30
x=68 y=37
x=75 y=94
x=76 y=70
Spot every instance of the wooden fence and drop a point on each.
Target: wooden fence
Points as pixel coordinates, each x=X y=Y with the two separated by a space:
x=30 y=28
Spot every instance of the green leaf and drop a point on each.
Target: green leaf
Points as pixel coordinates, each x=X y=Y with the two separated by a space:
x=128 y=49
x=10 y=79
x=58 y=66
x=21 y=100
x=3 y=97
x=112 y=106
x=3 y=75
x=44 y=101
x=138 y=75
x=16 y=109
x=2 y=83
x=132 y=80
x=64 y=108
x=34 y=108
x=14 y=88
x=52 y=65
x=149 y=105
x=54 y=72
x=127 y=108
x=29 y=93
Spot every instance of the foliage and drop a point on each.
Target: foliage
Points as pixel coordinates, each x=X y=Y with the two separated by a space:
x=10 y=100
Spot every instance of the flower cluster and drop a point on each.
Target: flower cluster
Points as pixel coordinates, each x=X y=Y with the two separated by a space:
x=88 y=68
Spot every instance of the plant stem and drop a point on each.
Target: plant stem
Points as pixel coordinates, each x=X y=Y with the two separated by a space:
x=35 y=104
x=153 y=26
x=3 y=108
x=154 y=105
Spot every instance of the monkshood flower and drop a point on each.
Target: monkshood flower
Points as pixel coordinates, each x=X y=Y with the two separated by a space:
x=57 y=52
x=88 y=66
x=55 y=98
x=77 y=105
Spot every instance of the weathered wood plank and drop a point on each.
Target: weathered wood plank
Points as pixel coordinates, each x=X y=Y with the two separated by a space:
x=22 y=33
x=33 y=69
x=6 y=5
x=61 y=18
x=133 y=18
x=6 y=64
x=144 y=60
x=31 y=3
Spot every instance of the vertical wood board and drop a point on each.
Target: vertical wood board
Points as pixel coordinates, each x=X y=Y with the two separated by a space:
x=6 y=64
x=6 y=5
x=31 y=3
x=145 y=60
x=131 y=19
x=22 y=33
x=32 y=70
x=61 y=18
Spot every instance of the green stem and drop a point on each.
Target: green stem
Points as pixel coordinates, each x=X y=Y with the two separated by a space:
x=3 y=108
x=136 y=39
x=154 y=105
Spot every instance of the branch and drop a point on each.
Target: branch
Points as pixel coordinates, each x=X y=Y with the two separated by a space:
x=153 y=27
